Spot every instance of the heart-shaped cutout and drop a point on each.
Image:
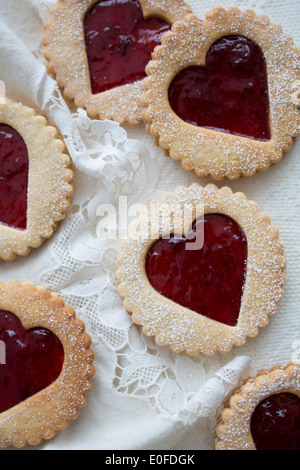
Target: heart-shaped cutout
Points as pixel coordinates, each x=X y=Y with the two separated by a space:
x=209 y=280
x=46 y=364
x=33 y=360
x=264 y=413
x=119 y=42
x=275 y=423
x=205 y=299
x=14 y=167
x=229 y=94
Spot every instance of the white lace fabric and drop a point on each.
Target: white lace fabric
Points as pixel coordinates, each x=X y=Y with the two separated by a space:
x=143 y=393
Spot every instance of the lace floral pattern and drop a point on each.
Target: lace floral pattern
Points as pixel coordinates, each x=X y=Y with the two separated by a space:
x=110 y=165
x=85 y=275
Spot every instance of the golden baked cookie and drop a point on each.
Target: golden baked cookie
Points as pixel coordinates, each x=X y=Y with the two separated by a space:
x=264 y=414
x=221 y=94
x=45 y=364
x=201 y=269
x=36 y=182
x=98 y=51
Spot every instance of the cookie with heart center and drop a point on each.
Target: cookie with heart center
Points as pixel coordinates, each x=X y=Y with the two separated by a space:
x=46 y=364
x=98 y=51
x=264 y=413
x=220 y=93
x=36 y=180
x=202 y=269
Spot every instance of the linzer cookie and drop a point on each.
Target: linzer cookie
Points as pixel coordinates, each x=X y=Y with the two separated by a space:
x=202 y=269
x=36 y=181
x=264 y=414
x=220 y=93
x=47 y=366
x=98 y=51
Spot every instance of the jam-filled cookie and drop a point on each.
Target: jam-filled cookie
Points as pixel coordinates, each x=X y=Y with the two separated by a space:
x=98 y=51
x=36 y=180
x=220 y=95
x=46 y=364
x=202 y=269
x=264 y=414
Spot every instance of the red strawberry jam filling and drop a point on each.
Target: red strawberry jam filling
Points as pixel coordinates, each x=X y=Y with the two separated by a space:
x=275 y=423
x=119 y=42
x=229 y=94
x=34 y=360
x=209 y=280
x=14 y=166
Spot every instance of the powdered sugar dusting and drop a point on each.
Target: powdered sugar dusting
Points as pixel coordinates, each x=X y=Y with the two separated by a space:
x=178 y=326
x=50 y=180
x=66 y=54
x=210 y=152
x=42 y=415
x=233 y=431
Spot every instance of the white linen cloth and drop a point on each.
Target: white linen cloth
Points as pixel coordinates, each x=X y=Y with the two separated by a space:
x=144 y=396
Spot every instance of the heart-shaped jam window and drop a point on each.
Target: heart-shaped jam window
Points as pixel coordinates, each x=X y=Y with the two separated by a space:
x=275 y=423
x=33 y=360
x=229 y=94
x=119 y=42
x=209 y=280
x=14 y=167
